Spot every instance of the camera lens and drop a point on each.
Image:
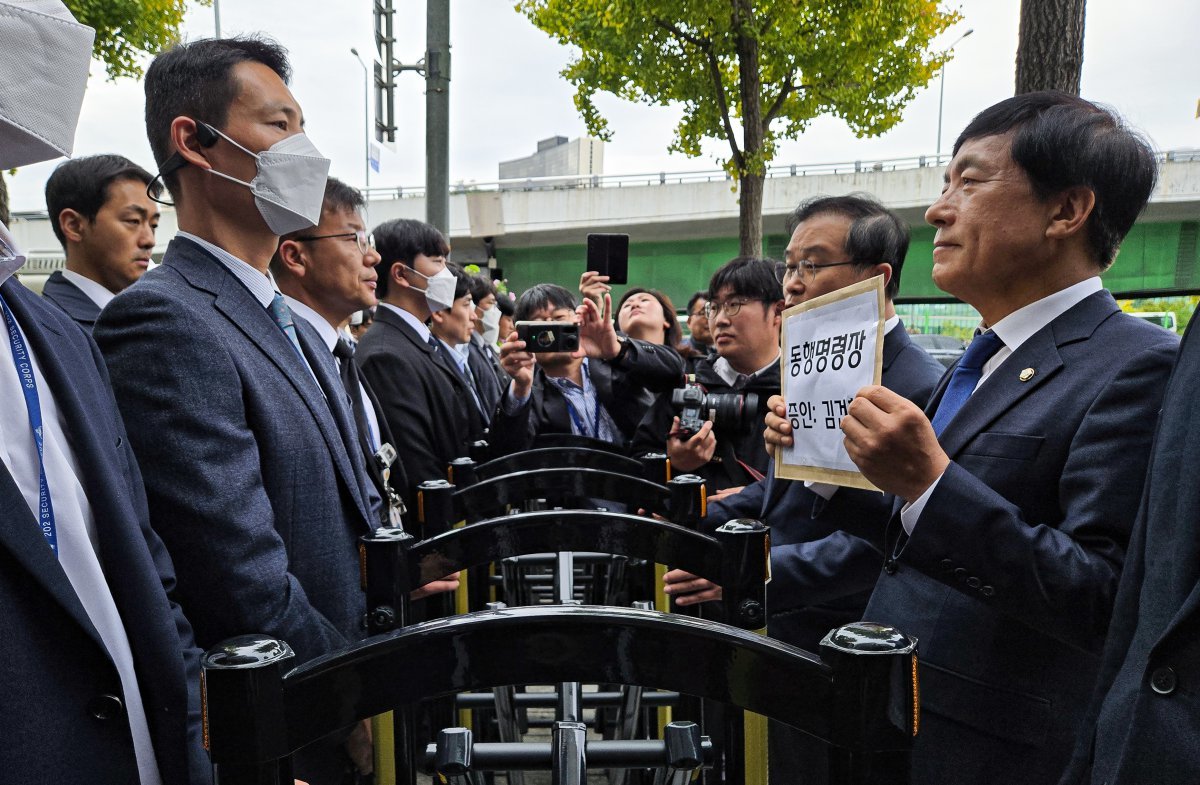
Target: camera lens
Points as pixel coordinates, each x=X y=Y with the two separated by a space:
x=545 y=339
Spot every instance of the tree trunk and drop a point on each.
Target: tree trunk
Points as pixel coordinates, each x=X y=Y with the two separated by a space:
x=1050 y=48
x=750 y=199
x=4 y=214
x=750 y=180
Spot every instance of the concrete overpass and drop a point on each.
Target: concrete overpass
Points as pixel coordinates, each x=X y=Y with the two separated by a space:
x=684 y=225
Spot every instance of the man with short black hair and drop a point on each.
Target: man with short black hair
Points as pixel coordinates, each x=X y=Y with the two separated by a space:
x=483 y=356
x=236 y=412
x=1016 y=502
x=453 y=327
x=745 y=303
x=102 y=214
x=423 y=398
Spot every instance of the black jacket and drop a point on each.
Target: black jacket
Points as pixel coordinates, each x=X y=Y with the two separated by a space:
x=424 y=402
x=738 y=444
x=626 y=388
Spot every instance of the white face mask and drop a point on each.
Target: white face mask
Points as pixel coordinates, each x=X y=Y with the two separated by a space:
x=45 y=60
x=289 y=188
x=439 y=289
x=491 y=325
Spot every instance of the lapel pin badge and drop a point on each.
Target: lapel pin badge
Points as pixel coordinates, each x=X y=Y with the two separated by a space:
x=1027 y=374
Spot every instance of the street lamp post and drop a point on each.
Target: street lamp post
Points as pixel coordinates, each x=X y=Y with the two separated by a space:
x=366 y=127
x=942 y=95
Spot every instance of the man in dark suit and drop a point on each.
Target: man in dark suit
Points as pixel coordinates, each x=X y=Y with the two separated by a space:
x=104 y=218
x=326 y=274
x=484 y=355
x=424 y=400
x=254 y=478
x=825 y=540
x=825 y=543
x=1016 y=502
x=101 y=674
x=453 y=328
x=596 y=391
x=1143 y=721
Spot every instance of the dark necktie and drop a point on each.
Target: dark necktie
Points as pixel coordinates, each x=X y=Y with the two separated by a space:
x=433 y=344
x=965 y=378
x=344 y=352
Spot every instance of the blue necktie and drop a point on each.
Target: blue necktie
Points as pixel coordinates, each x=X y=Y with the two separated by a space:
x=433 y=344
x=283 y=317
x=965 y=378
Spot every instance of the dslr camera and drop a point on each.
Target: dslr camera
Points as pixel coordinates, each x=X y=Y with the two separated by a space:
x=549 y=336
x=728 y=411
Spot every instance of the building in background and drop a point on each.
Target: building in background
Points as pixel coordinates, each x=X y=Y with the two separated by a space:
x=557 y=157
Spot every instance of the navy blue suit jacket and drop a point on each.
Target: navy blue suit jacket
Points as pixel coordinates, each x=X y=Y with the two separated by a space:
x=1144 y=725
x=1009 y=578
x=71 y=299
x=826 y=556
x=54 y=662
x=253 y=473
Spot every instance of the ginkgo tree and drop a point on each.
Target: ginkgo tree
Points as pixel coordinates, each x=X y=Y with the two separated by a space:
x=765 y=68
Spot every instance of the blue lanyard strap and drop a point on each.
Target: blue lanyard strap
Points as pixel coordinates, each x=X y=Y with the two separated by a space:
x=33 y=405
x=577 y=419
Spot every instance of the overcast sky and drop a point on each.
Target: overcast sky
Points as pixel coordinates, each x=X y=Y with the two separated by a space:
x=506 y=92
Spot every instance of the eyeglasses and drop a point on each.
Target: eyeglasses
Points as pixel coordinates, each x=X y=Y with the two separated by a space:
x=366 y=242
x=730 y=307
x=805 y=269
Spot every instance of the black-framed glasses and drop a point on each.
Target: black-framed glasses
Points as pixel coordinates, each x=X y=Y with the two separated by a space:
x=366 y=242
x=806 y=269
x=730 y=307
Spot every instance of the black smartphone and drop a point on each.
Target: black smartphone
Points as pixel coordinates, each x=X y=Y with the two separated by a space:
x=608 y=254
x=548 y=336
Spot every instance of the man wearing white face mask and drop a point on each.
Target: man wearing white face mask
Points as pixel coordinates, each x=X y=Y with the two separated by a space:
x=483 y=352
x=97 y=657
x=419 y=392
x=255 y=479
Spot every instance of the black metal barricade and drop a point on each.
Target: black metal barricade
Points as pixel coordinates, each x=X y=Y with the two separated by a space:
x=557 y=440
x=559 y=458
x=861 y=697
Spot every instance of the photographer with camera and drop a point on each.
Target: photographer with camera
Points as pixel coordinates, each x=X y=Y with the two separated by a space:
x=710 y=426
x=572 y=372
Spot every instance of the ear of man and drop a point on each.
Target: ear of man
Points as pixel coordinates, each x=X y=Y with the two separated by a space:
x=185 y=137
x=72 y=224
x=1070 y=210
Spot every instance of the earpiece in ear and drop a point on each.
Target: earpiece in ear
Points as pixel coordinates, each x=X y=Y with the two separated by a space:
x=206 y=135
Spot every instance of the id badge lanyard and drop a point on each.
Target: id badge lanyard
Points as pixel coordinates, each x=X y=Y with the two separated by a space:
x=24 y=366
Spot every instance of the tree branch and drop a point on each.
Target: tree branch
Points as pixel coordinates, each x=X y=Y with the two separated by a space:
x=714 y=70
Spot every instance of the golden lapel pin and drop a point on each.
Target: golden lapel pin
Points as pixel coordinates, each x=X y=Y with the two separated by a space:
x=1027 y=374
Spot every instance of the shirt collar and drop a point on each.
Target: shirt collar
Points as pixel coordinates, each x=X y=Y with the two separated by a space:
x=261 y=285
x=413 y=322
x=455 y=354
x=728 y=375
x=1020 y=325
x=890 y=324
x=327 y=331
x=95 y=292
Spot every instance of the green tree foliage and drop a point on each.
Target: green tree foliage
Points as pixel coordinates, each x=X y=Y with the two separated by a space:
x=767 y=66
x=126 y=30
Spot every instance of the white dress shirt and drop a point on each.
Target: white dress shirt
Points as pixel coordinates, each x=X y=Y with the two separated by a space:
x=95 y=292
x=413 y=322
x=1014 y=330
x=78 y=546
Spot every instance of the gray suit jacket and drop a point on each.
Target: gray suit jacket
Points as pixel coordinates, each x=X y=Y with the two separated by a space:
x=71 y=299
x=1009 y=577
x=254 y=478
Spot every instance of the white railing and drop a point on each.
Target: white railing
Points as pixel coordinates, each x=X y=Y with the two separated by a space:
x=572 y=182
